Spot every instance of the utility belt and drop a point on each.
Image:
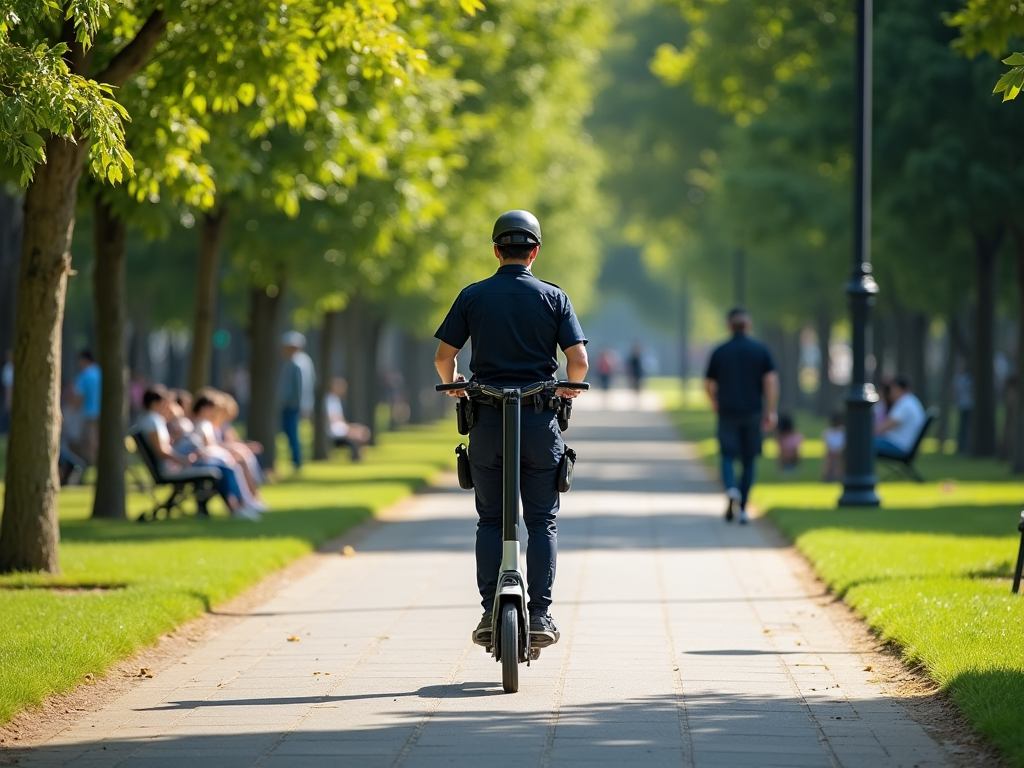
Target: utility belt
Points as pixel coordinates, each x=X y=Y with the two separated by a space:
x=466 y=409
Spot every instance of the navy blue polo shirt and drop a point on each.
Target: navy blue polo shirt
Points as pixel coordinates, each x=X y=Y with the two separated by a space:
x=738 y=367
x=517 y=323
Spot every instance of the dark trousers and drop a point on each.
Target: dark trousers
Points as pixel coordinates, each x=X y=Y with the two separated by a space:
x=739 y=438
x=540 y=452
x=290 y=427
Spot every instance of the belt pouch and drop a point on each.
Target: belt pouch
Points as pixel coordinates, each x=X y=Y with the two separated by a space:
x=463 y=469
x=564 y=413
x=464 y=415
x=565 y=468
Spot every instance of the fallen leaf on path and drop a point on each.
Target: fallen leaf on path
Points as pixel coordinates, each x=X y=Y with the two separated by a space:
x=294 y=639
x=144 y=672
x=348 y=550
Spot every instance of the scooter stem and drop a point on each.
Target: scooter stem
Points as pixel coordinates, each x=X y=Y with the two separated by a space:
x=511 y=412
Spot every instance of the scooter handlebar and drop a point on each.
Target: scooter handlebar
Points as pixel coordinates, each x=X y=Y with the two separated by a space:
x=457 y=385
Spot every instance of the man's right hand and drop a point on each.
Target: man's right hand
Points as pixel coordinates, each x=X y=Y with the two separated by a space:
x=457 y=392
x=771 y=419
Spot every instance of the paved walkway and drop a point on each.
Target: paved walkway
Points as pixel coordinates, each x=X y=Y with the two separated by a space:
x=685 y=642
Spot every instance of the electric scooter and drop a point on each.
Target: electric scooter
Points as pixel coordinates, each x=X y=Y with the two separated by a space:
x=510 y=622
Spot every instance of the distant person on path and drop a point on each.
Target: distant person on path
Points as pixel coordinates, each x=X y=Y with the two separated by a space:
x=607 y=365
x=517 y=324
x=636 y=367
x=834 y=439
x=343 y=432
x=895 y=437
x=298 y=378
x=6 y=392
x=743 y=387
x=85 y=397
x=963 y=391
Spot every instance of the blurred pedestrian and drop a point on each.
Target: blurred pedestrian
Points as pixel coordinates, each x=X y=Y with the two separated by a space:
x=636 y=367
x=607 y=365
x=896 y=437
x=963 y=392
x=743 y=387
x=789 y=440
x=85 y=397
x=834 y=439
x=298 y=379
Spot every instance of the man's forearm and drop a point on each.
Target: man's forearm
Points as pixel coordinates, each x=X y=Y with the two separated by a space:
x=576 y=370
x=446 y=364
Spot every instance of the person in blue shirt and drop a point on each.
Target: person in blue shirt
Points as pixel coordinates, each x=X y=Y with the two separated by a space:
x=86 y=398
x=298 y=379
x=743 y=387
x=517 y=324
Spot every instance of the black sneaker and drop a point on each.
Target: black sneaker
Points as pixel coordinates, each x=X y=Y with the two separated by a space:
x=482 y=633
x=734 y=504
x=543 y=631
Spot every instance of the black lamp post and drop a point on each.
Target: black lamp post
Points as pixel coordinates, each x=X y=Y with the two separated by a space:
x=859 y=483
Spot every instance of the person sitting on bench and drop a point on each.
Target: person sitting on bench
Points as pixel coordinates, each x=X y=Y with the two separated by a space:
x=342 y=432
x=157 y=404
x=897 y=434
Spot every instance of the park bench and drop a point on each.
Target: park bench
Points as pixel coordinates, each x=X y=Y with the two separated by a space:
x=904 y=467
x=195 y=482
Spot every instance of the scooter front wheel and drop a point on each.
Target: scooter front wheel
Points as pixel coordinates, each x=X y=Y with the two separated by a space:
x=510 y=648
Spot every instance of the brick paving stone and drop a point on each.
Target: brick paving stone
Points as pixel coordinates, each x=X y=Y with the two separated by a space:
x=685 y=643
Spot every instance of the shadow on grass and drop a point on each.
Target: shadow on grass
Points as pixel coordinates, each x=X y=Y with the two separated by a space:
x=988 y=520
x=312 y=525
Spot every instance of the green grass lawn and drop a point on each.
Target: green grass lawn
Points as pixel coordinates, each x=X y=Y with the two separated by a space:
x=152 y=577
x=929 y=571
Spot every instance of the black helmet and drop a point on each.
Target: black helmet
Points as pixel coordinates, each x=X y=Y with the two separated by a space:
x=516 y=228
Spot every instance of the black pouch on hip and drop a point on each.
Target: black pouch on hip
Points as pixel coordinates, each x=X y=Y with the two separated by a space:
x=564 y=412
x=464 y=415
x=462 y=468
x=565 y=467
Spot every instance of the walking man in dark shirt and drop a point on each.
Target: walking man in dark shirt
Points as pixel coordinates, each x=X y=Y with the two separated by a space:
x=744 y=390
x=517 y=324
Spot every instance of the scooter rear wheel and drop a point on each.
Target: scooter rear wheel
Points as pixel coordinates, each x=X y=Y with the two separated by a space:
x=510 y=648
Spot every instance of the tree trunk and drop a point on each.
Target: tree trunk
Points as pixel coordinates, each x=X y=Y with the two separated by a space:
x=986 y=252
x=1016 y=426
x=825 y=401
x=264 y=321
x=211 y=232
x=684 y=332
x=362 y=340
x=10 y=255
x=325 y=366
x=416 y=370
x=785 y=349
x=108 y=290
x=948 y=374
x=914 y=367
x=29 y=533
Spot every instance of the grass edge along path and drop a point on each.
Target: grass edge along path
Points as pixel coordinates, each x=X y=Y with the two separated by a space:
x=125 y=584
x=929 y=572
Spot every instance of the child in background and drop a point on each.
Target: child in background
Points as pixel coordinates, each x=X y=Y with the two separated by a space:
x=835 y=443
x=789 y=444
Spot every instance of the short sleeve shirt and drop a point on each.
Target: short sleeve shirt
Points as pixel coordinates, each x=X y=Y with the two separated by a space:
x=517 y=324
x=738 y=367
x=87 y=385
x=910 y=416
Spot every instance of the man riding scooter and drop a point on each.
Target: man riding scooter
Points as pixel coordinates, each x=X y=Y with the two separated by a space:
x=516 y=323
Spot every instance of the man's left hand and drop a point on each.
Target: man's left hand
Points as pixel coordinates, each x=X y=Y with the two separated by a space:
x=570 y=393
x=770 y=420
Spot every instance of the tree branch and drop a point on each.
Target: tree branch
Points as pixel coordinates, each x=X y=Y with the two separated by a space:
x=135 y=54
